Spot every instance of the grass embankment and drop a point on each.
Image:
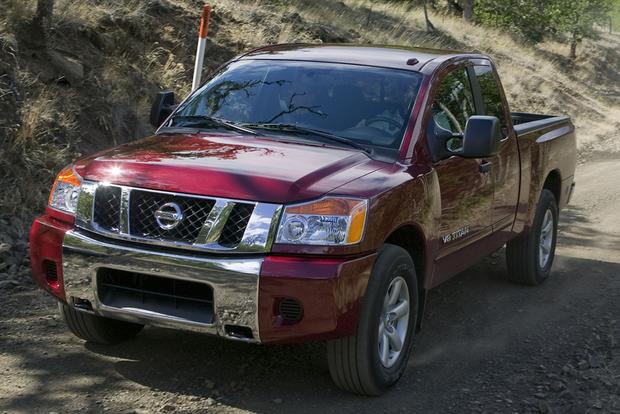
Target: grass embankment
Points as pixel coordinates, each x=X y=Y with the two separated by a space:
x=91 y=86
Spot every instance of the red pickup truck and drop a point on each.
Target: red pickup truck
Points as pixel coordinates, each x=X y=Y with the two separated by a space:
x=308 y=193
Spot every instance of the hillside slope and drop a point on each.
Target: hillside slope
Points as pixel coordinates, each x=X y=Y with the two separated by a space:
x=91 y=85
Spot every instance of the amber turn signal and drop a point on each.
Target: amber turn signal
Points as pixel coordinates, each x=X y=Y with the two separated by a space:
x=65 y=191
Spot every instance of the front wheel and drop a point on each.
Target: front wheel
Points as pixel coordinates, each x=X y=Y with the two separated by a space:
x=529 y=257
x=376 y=356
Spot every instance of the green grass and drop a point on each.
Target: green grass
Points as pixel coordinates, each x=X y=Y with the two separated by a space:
x=615 y=17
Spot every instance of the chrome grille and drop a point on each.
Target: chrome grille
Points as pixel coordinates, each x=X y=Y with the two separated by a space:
x=233 y=230
x=108 y=211
x=144 y=204
x=208 y=223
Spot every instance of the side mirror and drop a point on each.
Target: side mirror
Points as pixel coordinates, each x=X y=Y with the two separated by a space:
x=482 y=137
x=163 y=105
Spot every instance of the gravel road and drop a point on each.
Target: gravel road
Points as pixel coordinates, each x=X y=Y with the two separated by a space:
x=486 y=345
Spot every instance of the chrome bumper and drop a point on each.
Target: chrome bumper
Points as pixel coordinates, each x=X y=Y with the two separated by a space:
x=234 y=283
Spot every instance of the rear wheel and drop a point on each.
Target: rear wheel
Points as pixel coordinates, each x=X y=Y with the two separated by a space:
x=97 y=329
x=376 y=356
x=530 y=256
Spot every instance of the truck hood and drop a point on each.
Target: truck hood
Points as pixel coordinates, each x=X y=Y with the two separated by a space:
x=237 y=167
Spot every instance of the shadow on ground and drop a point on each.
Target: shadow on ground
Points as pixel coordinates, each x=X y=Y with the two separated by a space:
x=482 y=344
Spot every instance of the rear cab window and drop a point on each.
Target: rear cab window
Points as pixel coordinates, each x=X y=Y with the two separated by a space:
x=491 y=95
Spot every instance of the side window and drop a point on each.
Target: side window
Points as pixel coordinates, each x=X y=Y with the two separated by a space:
x=454 y=101
x=491 y=96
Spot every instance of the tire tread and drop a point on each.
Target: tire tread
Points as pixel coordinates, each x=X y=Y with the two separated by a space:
x=346 y=357
x=521 y=251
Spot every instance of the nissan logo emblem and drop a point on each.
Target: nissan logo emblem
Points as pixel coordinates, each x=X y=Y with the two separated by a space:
x=169 y=216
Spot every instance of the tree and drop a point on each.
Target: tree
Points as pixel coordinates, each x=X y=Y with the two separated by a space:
x=429 y=26
x=577 y=18
x=468 y=10
x=43 y=20
x=454 y=7
x=567 y=20
x=527 y=18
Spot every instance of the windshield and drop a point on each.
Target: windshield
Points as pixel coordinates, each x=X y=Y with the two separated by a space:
x=367 y=105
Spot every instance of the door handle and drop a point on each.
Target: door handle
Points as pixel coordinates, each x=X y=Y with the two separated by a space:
x=485 y=167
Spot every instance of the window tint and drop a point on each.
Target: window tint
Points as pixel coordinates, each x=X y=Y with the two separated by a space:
x=368 y=105
x=454 y=101
x=491 y=96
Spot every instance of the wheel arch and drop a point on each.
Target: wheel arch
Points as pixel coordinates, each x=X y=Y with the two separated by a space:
x=553 y=183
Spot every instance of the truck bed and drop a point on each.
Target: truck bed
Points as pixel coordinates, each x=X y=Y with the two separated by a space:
x=525 y=122
x=546 y=143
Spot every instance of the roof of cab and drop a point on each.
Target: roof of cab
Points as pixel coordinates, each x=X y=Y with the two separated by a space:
x=398 y=57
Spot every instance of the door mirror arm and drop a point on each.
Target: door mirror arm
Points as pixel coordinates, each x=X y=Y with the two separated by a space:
x=454 y=144
x=443 y=143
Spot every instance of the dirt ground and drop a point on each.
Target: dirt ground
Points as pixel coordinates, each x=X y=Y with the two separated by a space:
x=486 y=346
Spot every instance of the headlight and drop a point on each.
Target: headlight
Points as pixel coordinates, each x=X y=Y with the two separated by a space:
x=330 y=221
x=66 y=191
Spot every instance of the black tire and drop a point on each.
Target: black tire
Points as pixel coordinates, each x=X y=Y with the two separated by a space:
x=93 y=328
x=523 y=253
x=354 y=361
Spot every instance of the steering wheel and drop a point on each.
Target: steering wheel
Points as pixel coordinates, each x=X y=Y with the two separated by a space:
x=377 y=119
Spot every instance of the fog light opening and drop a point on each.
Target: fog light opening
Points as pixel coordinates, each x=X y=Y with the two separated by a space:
x=290 y=311
x=51 y=272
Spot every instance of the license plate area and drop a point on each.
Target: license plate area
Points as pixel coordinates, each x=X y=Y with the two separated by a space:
x=181 y=299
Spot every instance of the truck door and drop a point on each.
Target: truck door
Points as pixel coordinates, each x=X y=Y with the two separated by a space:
x=505 y=165
x=466 y=187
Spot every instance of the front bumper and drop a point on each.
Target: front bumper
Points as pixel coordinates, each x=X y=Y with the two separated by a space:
x=234 y=283
x=246 y=290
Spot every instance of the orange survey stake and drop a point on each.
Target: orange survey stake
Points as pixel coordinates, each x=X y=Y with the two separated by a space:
x=204 y=21
x=202 y=44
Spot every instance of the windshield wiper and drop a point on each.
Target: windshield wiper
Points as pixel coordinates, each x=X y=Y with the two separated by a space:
x=203 y=120
x=308 y=131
